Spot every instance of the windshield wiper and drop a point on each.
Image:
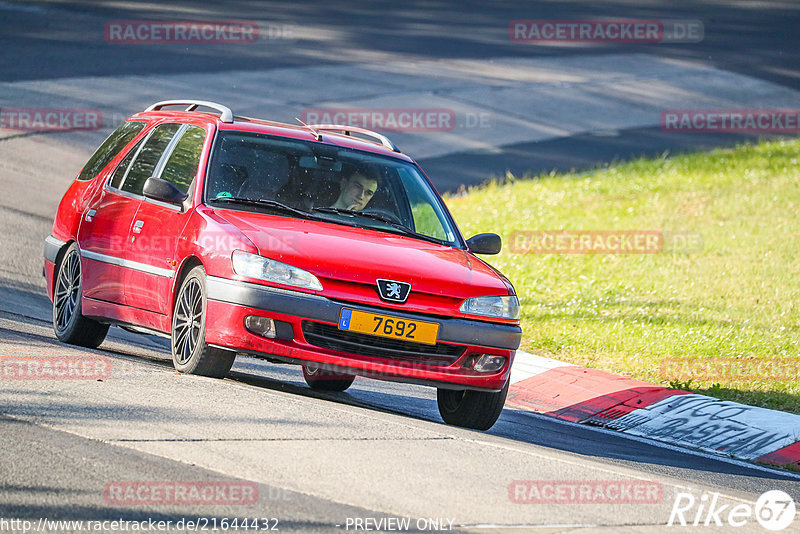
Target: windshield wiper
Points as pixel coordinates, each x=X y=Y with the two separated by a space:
x=380 y=218
x=274 y=204
x=344 y=211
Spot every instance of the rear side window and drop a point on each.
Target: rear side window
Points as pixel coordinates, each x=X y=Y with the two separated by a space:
x=119 y=173
x=181 y=168
x=145 y=163
x=110 y=147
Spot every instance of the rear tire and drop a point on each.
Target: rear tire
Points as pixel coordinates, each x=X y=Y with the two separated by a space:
x=190 y=352
x=323 y=380
x=471 y=409
x=69 y=323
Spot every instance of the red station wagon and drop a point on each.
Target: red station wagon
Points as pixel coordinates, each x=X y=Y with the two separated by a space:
x=318 y=245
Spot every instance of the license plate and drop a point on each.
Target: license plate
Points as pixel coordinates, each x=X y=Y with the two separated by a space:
x=387 y=326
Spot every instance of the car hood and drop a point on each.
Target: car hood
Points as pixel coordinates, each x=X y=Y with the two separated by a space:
x=357 y=255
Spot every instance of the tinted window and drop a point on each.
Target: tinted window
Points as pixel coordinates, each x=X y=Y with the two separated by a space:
x=110 y=147
x=181 y=168
x=119 y=174
x=249 y=168
x=145 y=163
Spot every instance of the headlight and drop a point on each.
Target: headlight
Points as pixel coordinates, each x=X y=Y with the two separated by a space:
x=505 y=307
x=269 y=270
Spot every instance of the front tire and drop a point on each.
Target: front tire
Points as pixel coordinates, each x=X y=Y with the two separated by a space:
x=323 y=380
x=471 y=409
x=190 y=352
x=69 y=323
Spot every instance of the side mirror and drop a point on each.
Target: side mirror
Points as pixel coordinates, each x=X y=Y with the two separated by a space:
x=485 y=244
x=158 y=189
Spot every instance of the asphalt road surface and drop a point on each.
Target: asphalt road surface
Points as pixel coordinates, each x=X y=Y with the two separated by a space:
x=752 y=40
x=379 y=452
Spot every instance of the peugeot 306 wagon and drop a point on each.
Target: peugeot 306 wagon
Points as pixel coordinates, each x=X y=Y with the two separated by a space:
x=317 y=245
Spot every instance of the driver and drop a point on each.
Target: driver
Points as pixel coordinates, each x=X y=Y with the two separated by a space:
x=357 y=189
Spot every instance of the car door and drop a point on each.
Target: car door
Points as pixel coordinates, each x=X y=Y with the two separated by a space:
x=110 y=226
x=158 y=226
x=103 y=232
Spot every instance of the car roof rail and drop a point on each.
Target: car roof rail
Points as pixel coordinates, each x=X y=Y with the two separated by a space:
x=382 y=139
x=226 y=115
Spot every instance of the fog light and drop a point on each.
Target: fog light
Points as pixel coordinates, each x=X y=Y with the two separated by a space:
x=488 y=363
x=261 y=326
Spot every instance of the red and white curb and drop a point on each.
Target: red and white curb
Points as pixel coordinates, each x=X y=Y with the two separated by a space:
x=589 y=396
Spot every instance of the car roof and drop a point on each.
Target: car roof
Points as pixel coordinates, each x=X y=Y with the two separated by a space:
x=339 y=135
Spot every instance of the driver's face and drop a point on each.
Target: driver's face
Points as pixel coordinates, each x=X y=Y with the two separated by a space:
x=357 y=192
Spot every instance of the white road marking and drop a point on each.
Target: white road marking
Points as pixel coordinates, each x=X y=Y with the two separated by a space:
x=527 y=365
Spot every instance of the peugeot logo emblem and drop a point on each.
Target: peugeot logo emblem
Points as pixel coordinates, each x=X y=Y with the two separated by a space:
x=393 y=291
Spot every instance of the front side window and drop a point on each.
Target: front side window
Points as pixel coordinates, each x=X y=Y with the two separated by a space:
x=110 y=148
x=256 y=172
x=429 y=218
x=181 y=167
x=145 y=163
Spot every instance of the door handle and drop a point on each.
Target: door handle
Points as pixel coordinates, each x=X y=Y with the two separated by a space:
x=90 y=215
x=137 y=226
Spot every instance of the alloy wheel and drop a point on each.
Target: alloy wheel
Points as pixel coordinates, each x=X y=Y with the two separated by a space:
x=67 y=291
x=189 y=325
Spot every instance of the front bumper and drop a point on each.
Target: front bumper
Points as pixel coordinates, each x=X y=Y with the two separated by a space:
x=230 y=301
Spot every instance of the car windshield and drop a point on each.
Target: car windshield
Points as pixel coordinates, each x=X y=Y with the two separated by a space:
x=294 y=178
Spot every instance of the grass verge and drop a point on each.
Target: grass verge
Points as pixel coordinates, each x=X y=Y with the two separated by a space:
x=717 y=311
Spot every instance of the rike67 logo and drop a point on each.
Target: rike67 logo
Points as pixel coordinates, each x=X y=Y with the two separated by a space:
x=774 y=510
